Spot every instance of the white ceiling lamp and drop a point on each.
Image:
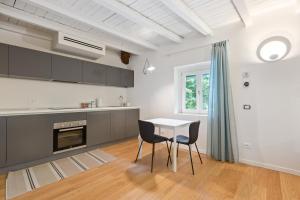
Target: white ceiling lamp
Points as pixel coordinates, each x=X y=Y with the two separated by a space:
x=148 y=68
x=273 y=49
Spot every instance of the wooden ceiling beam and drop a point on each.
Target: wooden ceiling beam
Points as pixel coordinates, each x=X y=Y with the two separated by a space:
x=243 y=11
x=184 y=12
x=138 y=18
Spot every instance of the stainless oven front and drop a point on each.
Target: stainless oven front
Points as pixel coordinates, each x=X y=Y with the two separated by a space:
x=69 y=136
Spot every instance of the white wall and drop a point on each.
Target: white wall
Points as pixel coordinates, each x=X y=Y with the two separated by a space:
x=20 y=93
x=155 y=93
x=271 y=127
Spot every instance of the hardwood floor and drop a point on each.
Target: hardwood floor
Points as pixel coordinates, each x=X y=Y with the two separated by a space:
x=2 y=186
x=123 y=179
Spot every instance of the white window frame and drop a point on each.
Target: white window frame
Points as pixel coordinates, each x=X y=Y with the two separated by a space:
x=199 y=97
x=183 y=92
x=180 y=73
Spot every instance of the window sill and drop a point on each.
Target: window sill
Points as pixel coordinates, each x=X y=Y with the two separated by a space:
x=193 y=114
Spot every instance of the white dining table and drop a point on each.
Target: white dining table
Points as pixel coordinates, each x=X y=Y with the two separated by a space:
x=173 y=124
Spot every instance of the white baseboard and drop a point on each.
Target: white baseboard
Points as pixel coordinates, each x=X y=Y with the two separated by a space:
x=270 y=166
x=255 y=163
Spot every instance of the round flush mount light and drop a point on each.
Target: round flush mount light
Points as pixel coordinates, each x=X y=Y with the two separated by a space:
x=273 y=49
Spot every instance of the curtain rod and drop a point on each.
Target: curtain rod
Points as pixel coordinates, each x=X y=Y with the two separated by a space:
x=196 y=47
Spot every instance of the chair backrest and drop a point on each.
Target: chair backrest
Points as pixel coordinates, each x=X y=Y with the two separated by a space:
x=193 y=132
x=146 y=131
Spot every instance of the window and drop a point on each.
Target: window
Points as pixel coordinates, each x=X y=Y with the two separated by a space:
x=194 y=88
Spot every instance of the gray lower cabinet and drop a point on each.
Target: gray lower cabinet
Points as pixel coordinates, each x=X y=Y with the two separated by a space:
x=127 y=78
x=28 y=138
x=98 y=128
x=118 y=124
x=29 y=63
x=66 y=69
x=2 y=141
x=113 y=76
x=67 y=117
x=132 y=127
x=94 y=73
x=3 y=59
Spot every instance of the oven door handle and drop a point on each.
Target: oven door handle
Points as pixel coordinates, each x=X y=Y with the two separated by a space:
x=70 y=129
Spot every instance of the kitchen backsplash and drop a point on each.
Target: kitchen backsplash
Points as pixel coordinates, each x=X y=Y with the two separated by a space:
x=20 y=93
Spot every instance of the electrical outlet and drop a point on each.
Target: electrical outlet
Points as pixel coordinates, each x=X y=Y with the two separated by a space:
x=247 y=145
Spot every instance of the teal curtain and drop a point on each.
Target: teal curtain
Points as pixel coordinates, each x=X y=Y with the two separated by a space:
x=222 y=140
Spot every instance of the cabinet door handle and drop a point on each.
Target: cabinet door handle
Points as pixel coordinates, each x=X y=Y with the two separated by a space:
x=71 y=129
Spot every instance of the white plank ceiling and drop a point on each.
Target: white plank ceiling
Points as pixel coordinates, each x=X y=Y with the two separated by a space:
x=214 y=13
x=260 y=6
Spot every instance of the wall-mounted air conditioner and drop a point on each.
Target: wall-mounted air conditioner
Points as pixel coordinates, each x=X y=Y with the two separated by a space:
x=78 y=46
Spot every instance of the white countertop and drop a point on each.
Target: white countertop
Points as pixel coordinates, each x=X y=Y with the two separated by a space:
x=15 y=112
x=169 y=122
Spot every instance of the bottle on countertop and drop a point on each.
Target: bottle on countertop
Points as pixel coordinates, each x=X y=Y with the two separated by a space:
x=121 y=99
x=98 y=102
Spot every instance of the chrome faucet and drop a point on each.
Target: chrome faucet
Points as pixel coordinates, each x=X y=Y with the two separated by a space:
x=121 y=98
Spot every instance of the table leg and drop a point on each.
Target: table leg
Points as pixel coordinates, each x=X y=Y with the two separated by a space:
x=140 y=142
x=174 y=152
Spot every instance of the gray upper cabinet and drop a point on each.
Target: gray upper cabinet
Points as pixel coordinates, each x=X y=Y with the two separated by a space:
x=29 y=63
x=3 y=60
x=98 y=128
x=127 y=78
x=28 y=138
x=94 y=73
x=66 y=69
x=118 y=124
x=2 y=141
x=113 y=76
x=132 y=127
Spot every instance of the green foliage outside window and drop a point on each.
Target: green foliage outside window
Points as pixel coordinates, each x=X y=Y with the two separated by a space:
x=191 y=92
x=192 y=98
x=205 y=91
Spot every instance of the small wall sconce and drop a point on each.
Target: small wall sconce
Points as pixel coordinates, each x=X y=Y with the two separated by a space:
x=148 y=68
x=273 y=49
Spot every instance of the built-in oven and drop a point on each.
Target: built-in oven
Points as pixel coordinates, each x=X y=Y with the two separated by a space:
x=69 y=136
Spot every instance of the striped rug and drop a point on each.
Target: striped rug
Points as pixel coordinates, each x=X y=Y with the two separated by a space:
x=25 y=180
